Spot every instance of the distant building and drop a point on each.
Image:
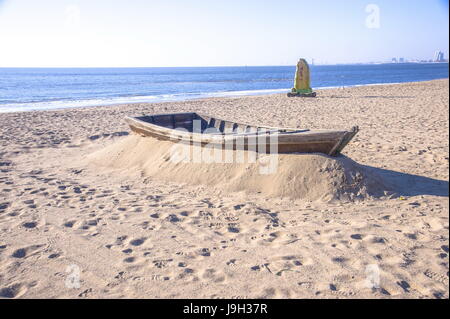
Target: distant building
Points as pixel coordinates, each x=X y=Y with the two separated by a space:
x=401 y=60
x=394 y=60
x=439 y=56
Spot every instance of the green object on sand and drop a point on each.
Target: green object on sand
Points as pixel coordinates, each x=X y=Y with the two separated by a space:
x=302 y=85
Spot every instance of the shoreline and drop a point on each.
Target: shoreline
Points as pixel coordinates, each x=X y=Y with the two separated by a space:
x=208 y=95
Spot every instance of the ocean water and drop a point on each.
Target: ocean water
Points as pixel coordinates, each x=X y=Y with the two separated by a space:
x=25 y=89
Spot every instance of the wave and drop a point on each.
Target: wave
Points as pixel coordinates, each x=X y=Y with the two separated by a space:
x=63 y=104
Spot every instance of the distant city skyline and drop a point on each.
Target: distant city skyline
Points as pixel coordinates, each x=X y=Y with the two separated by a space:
x=138 y=33
x=439 y=56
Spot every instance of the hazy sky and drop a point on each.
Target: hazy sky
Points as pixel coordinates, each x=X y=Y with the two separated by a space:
x=107 y=33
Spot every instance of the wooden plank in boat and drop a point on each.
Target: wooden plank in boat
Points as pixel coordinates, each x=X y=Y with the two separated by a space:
x=161 y=126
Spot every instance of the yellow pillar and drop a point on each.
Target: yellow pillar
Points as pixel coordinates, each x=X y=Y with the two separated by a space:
x=302 y=78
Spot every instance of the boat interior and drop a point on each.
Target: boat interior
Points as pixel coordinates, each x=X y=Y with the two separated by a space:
x=197 y=123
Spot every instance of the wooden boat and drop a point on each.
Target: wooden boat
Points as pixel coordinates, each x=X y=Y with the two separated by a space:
x=201 y=129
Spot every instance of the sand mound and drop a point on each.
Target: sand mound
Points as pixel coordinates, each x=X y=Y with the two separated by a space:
x=306 y=176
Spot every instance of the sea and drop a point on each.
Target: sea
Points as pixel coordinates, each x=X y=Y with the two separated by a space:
x=26 y=89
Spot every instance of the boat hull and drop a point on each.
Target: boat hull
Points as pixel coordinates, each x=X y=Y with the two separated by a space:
x=182 y=128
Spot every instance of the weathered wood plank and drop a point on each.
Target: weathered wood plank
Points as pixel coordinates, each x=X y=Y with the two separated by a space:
x=221 y=132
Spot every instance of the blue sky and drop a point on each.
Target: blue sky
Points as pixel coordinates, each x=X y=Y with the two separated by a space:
x=105 y=33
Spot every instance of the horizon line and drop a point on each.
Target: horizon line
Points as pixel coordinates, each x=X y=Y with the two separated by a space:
x=213 y=66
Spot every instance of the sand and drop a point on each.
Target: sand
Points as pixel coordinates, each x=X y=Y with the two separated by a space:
x=88 y=210
x=308 y=177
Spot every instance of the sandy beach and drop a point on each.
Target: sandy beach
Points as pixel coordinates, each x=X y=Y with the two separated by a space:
x=82 y=218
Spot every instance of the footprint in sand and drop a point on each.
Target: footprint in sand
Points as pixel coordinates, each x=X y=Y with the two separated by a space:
x=260 y=267
x=233 y=229
x=213 y=275
x=187 y=273
x=69 y=224
x=306 y=284
x=356 y=236
x=147 y=226
x=121 y=239
x=119 y=242
x=340 y=292
x=339 y=260
x=4 y=206
x=279 y=265
x=440 y=295
x=12 y=291
x=173 y=218
x=231 y=262
x=29 y=225
x=85 y=293
x=162 y=263
x=26 y=251
x=205 y=252
x=160 y=278
x=278 y=238
x=269 y=293
x=404 y=285
x=129 y=260
x=435 y=276
x=138 y=241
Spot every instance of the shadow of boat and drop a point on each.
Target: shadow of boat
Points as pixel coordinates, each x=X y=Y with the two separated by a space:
x=403 y=184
